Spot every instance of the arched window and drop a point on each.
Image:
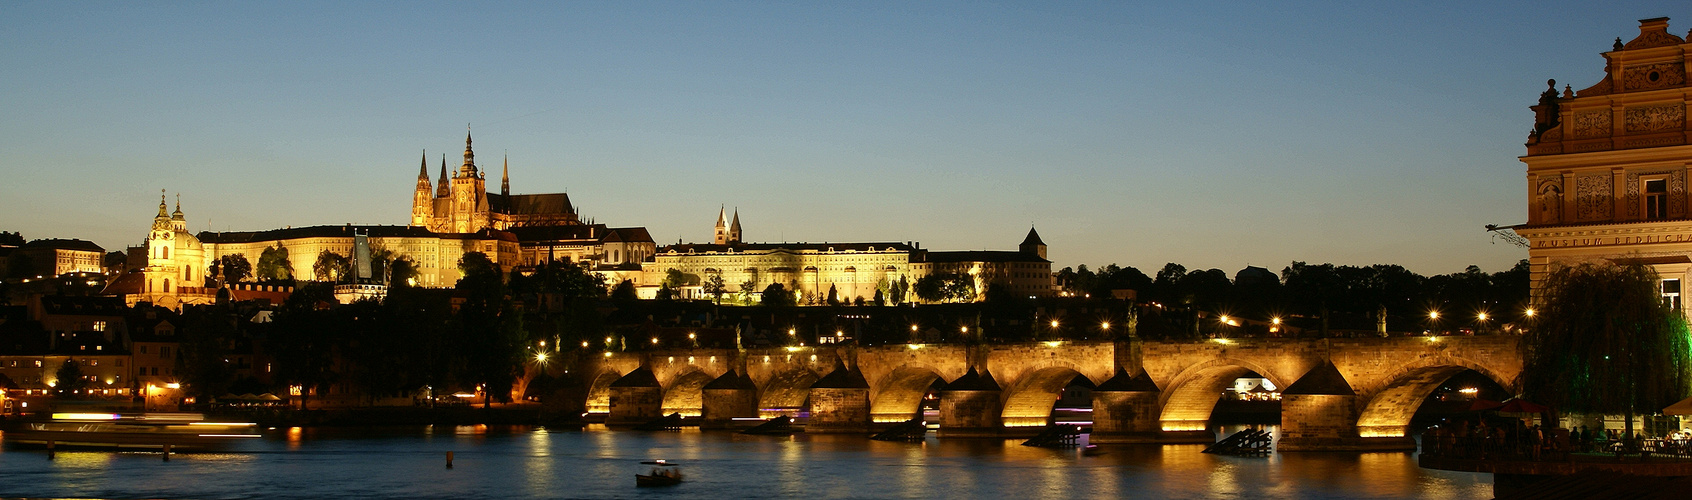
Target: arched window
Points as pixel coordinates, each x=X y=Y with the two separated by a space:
x=166 y=286
x=165 y=251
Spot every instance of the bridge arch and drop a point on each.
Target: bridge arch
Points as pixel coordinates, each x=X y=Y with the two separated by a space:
x=787 y=390
x=1029 y=400
x=1192 y=394
x=599 y=391
x=1389 y=409
x=685 y=394
x=898 y=395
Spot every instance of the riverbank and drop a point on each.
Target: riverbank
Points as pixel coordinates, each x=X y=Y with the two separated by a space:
x=388 y=416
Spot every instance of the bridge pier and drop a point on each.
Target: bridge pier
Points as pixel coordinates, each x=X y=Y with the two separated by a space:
x=635 y=398
x=728 y=397
x=970 y=406
x=1125 y=410
x=1319 y=413
x=840 y=403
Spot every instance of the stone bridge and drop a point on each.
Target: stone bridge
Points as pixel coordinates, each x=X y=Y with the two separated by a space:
x=1336 y=393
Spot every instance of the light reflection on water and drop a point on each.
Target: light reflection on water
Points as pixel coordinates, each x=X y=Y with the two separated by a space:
x=597 y=463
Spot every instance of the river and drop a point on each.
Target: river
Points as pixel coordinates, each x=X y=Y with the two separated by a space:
x=531 y=462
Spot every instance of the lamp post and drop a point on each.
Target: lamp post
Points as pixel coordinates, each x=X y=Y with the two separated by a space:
x=1433 y=322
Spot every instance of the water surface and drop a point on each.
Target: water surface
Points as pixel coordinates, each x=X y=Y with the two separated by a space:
x=529 y=462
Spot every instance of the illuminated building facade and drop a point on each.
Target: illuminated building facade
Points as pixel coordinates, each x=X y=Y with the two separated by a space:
x=462 y=203
x=853 y=270
x=1607 y=165
x=53 y=257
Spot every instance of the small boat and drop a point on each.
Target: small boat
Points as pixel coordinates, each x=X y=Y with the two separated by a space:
x=659 y=477
x=659 y=462
x=1092 y=450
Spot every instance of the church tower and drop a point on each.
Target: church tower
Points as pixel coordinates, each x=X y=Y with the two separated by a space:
x=734 y=229
x=1032 y=244
x=469 y=195
x=423 y=201
x=722 y=237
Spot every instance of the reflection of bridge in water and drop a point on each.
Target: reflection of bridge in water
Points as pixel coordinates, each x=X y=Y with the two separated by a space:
x=1338 y=394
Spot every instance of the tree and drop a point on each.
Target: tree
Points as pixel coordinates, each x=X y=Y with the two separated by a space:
x=333 y=267
x=273 y=265
x=1606 y=342
x=490 y=329
x=833 y=295
x=776 y=295
x=715 y=286
x=900 y=290
x=402 y=271
x=674 y=278
x=233 y=268
x=71 y=380
x=11 y=239
x=624 y=292
x=945 y=287
x=115 y=260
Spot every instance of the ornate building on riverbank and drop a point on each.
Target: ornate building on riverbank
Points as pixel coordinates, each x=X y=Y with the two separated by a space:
x=1607 y=164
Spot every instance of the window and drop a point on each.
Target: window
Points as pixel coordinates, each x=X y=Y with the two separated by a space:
x=99 y=326
x=1656 y=199
x=1671 y=293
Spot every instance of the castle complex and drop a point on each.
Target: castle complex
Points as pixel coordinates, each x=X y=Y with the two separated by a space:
x=457 y=215
x=1607 y=164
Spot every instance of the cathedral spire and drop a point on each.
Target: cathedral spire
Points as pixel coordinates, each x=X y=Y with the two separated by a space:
x=443 y=189
x=423 y=167
x=177 y=215
x=162 y=207
x=469 y=154
x=505 y=178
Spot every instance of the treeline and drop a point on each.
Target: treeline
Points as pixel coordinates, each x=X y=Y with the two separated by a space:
x=1317 y=296
x=476 y=336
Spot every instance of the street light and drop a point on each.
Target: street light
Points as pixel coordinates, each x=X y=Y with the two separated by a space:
x=1530 y=312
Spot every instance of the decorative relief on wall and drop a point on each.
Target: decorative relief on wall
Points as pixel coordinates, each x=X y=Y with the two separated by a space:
x=1592 y=197
x=1550 y=199
x=1592 y=124
x=1654 y=76
x=1676 y=192
x=1655 y=118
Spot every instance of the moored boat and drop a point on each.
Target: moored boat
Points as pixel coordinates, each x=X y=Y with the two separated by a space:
x=180 y=431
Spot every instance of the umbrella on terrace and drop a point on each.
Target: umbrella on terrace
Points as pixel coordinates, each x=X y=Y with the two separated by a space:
x=1684 y=407
x=1520 y=405
x=1484 y=405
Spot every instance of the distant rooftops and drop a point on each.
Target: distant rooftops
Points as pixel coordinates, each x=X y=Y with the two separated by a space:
x=343 y=231
x=769 y=247
x=64 y=244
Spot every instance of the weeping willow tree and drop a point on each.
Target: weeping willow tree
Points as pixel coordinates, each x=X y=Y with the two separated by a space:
x=1606 y=342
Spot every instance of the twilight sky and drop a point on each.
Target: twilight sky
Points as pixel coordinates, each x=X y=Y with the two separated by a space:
x=1210 y=134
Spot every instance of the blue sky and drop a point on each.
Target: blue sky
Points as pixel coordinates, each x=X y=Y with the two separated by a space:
x=1212 y=134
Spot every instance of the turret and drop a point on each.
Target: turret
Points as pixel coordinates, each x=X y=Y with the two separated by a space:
x=1032 y=244
x=505 y=178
